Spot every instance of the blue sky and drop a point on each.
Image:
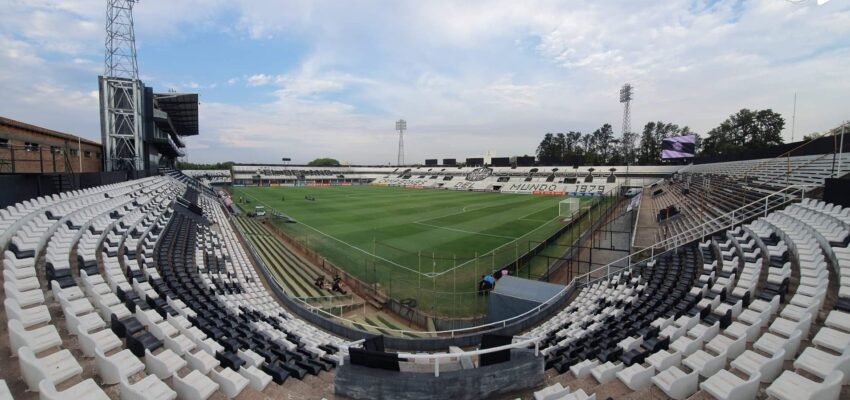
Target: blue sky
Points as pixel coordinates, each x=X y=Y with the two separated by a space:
x=311 y=79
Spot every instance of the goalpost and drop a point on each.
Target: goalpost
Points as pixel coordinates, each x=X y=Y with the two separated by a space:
x=569 y=207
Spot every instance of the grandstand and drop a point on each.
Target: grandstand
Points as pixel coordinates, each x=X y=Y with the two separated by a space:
x=145 y=288
x=503 y=179
x=707 y=192
x=125 y=278
x=210 y=177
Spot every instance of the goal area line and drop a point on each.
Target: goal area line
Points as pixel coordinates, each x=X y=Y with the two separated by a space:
x=429 y=274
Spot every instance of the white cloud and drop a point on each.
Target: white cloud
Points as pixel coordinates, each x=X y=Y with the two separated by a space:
x=259 y=79
x=468 y=76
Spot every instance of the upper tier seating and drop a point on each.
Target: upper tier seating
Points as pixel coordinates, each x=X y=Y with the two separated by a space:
x=707 y=192
x=771 y=174
x=210 y=176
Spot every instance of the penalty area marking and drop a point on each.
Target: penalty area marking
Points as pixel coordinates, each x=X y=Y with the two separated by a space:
x=523 y=218
x=499 y=247
x=428 y=274
x=465 y=231
x=471 y=207
x=339 y=240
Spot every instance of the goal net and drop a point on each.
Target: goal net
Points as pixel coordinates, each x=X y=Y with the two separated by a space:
x=568 y=207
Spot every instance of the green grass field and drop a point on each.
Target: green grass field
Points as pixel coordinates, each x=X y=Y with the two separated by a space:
x=430 y=245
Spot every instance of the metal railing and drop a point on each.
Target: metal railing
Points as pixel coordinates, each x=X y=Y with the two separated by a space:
x=734 y=217
x=402 y=332
x=760 y=207
x=756 y=208
x=523 y=343
x=613 y=192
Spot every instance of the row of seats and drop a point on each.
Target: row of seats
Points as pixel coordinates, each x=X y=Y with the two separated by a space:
x=131 y=321
x=708 y=191
x=34 y=337
x=623 y=341
x=773 y=174
x=732 y=335
x=704 y=199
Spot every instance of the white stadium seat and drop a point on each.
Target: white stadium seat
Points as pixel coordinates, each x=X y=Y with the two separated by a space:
x=86 y=389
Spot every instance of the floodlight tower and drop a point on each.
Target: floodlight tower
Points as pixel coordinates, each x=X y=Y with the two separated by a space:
x=400 y=126
x=120 y=91
x=626 y=99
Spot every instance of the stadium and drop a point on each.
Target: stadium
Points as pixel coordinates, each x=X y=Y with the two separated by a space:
x=667 y=265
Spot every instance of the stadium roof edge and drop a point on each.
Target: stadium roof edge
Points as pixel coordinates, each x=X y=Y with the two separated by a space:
x=37 y=129
x=182 y=110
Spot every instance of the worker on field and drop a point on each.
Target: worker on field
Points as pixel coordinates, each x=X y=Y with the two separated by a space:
x=337 y=285
x=491 y=280
x=486 y=284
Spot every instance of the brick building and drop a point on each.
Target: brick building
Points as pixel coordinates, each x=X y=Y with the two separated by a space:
x=26 y=148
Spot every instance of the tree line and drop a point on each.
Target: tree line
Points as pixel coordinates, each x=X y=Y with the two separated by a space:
x=183 y=165
x=743 y=131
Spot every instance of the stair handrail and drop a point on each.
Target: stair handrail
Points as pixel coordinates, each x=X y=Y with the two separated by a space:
x=788 y=154
x=730 y=219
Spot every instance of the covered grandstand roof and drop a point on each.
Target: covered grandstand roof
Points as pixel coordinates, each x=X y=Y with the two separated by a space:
x=182 y=109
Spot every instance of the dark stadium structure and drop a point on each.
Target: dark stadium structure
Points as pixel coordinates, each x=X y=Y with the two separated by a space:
x=166 y=118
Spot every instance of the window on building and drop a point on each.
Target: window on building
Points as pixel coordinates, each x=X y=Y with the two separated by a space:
x=87 y=154
x=55 y=149
x=30 y=146
x=74 y=152
x=97 y=155
x=4 y=143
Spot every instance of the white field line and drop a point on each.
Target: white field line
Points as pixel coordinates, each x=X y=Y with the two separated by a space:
x=469 y=208
x=532 y=219
x=429 y=274
x=499 y=247
x=464 y=231
x=466 y=209
x=338 y=240
x=523 y=218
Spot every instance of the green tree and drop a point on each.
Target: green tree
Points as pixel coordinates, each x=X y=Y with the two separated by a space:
x=745 y=130
x=627 y=147
x=560 y=148
x=601 y=142
x=324 y=162
x=547 y=153
x=813 y=136
x=181 y=165
x=649 y=149
x=573 y=143
x=587 y=149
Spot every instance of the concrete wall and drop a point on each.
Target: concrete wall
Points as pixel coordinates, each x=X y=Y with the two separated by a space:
x=50 y=152
x=524 y=371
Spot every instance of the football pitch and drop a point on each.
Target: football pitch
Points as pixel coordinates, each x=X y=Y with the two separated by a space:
x=416 y=243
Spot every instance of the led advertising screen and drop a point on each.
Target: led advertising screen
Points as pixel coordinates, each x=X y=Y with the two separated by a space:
x=679 y=147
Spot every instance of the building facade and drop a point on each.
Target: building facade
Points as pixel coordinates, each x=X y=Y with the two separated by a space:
x=26 y=148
